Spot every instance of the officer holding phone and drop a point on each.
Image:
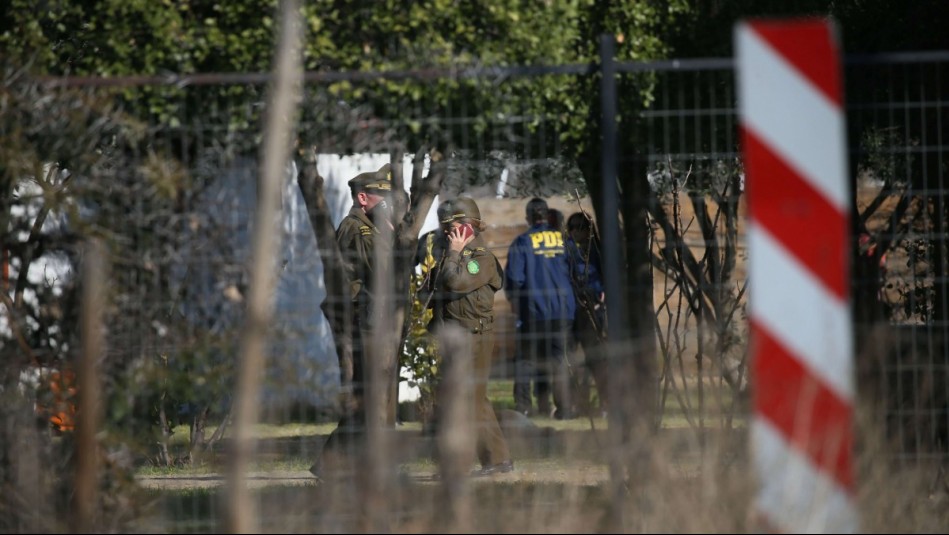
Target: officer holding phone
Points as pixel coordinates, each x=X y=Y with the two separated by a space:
x=467 y=281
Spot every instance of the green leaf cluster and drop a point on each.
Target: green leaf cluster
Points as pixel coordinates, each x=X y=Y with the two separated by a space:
x=146 y=37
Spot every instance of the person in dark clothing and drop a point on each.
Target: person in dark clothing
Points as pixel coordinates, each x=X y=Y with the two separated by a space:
x=538 y=287
x=579 y=380
x=356 y=236
x=589 y=326
x=555 y=219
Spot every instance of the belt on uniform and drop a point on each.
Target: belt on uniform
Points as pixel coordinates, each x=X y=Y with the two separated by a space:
x=473 y=326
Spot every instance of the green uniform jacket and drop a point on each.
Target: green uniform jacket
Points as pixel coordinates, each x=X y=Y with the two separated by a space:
x=465 y=286
x=356 y=235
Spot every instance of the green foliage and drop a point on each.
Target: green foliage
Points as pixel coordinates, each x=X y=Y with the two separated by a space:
x=127 y=189
x=176 y=385
x=143 y=37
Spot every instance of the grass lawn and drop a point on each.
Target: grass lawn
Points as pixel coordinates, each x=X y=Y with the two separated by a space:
x=500 y=392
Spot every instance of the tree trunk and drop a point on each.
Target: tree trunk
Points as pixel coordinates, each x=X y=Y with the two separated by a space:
x=391 y=307
x=337 y=305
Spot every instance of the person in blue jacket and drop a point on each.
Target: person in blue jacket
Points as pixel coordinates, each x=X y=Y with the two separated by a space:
x=538 y=286
x=589 y=327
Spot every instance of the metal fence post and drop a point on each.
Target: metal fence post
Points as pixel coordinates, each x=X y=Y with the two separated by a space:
x=612 y=264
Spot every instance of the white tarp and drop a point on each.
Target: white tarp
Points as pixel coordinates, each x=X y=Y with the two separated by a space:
x=306 y=369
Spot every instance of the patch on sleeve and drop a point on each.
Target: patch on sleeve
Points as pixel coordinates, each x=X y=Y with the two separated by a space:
x=473 y=267
x=365 y=230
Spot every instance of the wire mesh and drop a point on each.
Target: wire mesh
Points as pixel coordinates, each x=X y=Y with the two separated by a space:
x=165 y=174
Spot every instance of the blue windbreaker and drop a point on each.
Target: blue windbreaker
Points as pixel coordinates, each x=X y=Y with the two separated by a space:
x=586 y=270
x=537 y=276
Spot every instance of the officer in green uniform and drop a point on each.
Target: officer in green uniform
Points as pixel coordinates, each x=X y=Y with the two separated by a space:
x=356 y=236
x=358 y=230
x=465 y=285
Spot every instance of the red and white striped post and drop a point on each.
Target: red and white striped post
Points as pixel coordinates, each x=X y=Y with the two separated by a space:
x=793 y=132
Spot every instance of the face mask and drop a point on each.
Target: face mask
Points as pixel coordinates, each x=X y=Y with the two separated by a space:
x=380 y=212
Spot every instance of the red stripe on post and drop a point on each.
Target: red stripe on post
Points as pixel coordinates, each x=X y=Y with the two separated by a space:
x=799 y=205
x=797 y=215
x=813 y=419
x=807 y=45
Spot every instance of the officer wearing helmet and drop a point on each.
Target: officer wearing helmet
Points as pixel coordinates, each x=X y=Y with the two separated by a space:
x=466 y=282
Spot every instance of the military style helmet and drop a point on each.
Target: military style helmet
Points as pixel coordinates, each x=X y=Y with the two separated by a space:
x=378 y=182
x=464 y=208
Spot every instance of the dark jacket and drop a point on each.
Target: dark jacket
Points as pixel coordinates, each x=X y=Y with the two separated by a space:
x=586 y=273
x=356 y=237
x=585 y=270
x=538 y=276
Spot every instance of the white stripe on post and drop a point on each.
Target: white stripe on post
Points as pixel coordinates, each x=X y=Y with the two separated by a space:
x=816 y=505
x=806 y=319
x=811 y=141
x=801 y=349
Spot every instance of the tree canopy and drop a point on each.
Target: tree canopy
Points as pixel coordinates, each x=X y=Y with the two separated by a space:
x=141 y=37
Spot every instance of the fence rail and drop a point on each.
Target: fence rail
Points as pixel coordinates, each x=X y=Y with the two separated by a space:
x=163 y=170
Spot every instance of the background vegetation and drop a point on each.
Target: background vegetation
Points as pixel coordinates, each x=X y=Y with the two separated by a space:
x=128 y=163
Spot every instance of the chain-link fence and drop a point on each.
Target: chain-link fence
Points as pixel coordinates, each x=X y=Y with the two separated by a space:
x=165 y=172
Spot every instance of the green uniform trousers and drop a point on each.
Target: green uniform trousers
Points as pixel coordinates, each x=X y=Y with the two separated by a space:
x=491 y=446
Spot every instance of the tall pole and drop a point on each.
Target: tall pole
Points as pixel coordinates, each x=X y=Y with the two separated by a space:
x=612 y=277
x=275 y=155
x=95 y=273
x=793 y=126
